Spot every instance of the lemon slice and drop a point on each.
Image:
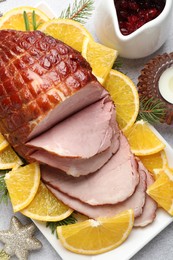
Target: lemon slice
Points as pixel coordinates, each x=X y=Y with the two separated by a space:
x=162 y=191
x=68 y=31
x=155 y=161
x=125 y=97
x=142 y=140
x=9 y=159
x=97 y=236
x=14 y=18
x=22 y=185
x=46 y=207
x=100 y=58
x=3 y=143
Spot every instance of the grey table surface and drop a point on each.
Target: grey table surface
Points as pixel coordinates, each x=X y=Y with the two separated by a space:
x=161 y=247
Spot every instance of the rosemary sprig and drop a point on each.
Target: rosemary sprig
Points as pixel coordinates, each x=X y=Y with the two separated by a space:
x=117 y=64
x=3 y=189
x=152 y=110
x=26 y=21
x=79 y=11
x=34 y=22
x=53 y=225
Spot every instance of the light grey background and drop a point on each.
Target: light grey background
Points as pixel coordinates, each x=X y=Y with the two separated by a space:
x=161 y=247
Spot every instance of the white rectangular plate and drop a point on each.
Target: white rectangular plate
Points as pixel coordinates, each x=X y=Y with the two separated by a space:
x=138 y=238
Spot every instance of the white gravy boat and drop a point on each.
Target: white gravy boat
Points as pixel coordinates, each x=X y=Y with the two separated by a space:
x=142 y=42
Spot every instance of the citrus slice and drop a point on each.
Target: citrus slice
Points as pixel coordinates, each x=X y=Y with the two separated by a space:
x=46 y=207
x=155 y=161
x=100 y=58
x=14 y=18
x=97 y=236
x=162 y=191
x=22 y=185
x=9 y=159
x=3 y=143
x=143 y=140
x=68 y=31
x=125 y=97
x=157 y=172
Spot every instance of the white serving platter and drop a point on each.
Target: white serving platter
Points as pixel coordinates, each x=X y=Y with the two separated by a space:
x=138 y=238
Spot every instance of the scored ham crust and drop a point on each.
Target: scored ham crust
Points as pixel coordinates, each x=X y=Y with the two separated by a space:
x=42 y=82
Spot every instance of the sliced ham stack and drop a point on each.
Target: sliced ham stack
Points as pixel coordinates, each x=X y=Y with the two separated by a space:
x=54 y=111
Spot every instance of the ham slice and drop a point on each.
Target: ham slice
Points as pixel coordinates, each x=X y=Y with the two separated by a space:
x=83 y=135
x=150 y=207
x=135 y=202
x=43 y=81
x=113 y=183
x=75 y=166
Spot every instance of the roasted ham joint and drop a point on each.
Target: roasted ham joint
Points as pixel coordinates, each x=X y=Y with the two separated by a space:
x=54 y=111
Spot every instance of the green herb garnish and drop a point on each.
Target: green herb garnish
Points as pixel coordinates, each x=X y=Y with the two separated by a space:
x=26 y=20
x=3 y=188
x=34 y=22
x=152 y=110
x=79 y=11
x=67 y=221
x=117 y=64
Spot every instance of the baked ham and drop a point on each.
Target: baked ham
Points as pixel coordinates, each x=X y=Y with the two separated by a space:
x=135 y=202
x=75 y=166
x=43 y=81
x=53 y=110
x=113 y=183
x=81 y=144
x=83 y=135
x=150 y=207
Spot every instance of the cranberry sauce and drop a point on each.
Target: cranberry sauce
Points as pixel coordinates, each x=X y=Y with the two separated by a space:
x=132 y=14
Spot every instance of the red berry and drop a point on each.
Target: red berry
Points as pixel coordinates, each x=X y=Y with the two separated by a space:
x=132 y=19
x=133 y=6
x=152 y=13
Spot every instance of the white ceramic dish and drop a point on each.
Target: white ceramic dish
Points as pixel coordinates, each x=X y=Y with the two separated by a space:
x=138 y=238
x=143 y=42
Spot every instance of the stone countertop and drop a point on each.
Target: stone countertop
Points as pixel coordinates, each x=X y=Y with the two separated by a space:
x=161 y=247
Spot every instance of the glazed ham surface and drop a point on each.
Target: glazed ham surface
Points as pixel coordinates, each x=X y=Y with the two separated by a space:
x=43 y=81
